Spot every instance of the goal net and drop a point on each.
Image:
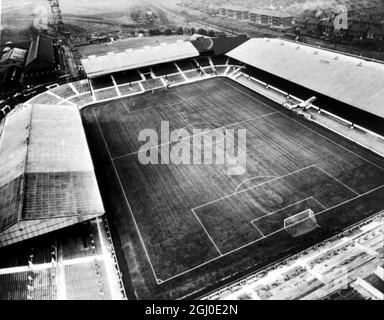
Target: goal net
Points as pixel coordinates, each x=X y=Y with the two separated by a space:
x=301 y=223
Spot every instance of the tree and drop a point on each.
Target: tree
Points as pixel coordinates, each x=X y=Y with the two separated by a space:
x=202 y=31
x=187 y=31
x=154 y=32
x=193 y=30
x=167 y=32
x=180 y=30
x=211 y=33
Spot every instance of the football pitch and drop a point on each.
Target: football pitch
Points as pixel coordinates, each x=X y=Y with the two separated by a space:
x=183 y=228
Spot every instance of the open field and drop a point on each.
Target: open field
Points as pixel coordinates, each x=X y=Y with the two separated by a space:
x=183 y=228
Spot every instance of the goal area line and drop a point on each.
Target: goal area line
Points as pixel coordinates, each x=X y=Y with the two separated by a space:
x=267 y=236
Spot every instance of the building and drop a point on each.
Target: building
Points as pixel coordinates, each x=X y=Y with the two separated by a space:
x=358 y=31
x=10 y=79
x=234 y=12
x=313 y=25
x=40 y=64
x=14 y=57
x=327 y=27
x=271 y=18
x=47 y=180
x=318 y=70
x=375 y=34
x=97 y=66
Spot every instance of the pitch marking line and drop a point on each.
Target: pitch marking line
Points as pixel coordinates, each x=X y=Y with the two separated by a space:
x=126 y=199
x=232 y=251
x=319 y=134
x=250 y=188
x=277 y=211
x=337 y=180
x=258 y=230
x=321 y=205
x=193 y=136
x=205 y=230
x=125 y=106
x=271 y=234
x=253 y=178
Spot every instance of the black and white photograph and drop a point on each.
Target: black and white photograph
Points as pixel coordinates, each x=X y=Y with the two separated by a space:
x=208 y=151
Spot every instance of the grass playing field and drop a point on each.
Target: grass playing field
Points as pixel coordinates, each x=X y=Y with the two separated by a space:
x=183 y=228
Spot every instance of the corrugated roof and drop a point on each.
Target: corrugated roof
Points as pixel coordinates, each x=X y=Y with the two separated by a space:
x=350 y=80
x=133 y=59
x=14 y=54
x=41 y=48
x=46 y=169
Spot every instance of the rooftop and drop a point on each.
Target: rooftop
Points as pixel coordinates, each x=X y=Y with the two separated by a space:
x=273 y=13
x=235 y=8
x=41 y=48
x=132 y=59
x=14 y=54
x=47 y=179
x=319 y=70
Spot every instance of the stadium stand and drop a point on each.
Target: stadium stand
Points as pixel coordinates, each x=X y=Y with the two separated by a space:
x=175 y=78
x=64 y=91
x=82 y=99
x=164 y=69
x=44 y=285
x=29 y=270
x=14 y=286
x=318 y=70
x=127 y=77
x=87 y=281
x=187 y=65
x=220 y=70
x=203 y=62
x=102 y=82
x=349 y=294
x=42 y=188
x=326 y=271
x=220 y=60
x=136 y=59
x=193 y=74
x=31 y=285
x=130 y=89
x=81 y=242
x=105 y=94
x=82 y=86
x=375 y=282
x=146 y=72
x=209 y=71
x=153 y=84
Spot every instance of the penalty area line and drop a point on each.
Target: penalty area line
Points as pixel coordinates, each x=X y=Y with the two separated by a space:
x=207 y=233
x=126 y=198
x=266 y=237
x=256 y=186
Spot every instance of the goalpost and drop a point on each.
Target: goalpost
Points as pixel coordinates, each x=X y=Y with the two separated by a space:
x=301 y=223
